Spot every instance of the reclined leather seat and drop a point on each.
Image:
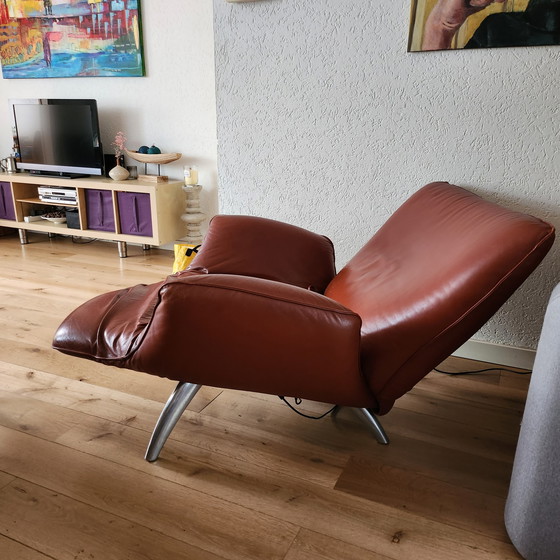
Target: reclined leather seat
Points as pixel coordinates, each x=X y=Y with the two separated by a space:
x=266 y=311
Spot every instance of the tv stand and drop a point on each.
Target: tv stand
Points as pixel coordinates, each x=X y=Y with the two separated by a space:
x=141 y=212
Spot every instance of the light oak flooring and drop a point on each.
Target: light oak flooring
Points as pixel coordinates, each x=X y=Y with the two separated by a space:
x=242 y=476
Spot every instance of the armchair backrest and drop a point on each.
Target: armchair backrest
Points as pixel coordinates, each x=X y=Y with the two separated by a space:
x=438 y=269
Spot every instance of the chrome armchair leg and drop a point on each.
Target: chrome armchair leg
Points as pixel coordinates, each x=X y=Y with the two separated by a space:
x=374 y=424
x=174 y=407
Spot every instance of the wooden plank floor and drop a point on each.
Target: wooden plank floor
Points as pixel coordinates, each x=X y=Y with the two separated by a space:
x=242 y=476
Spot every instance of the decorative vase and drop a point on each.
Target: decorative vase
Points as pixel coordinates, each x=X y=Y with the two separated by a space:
x=119 y=173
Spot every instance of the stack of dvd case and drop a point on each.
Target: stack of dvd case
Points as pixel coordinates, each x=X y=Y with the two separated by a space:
x=62 y=196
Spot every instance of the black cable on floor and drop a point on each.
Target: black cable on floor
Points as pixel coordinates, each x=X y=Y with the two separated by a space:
x=81 y=241
x=482 y=371
x=298 y=402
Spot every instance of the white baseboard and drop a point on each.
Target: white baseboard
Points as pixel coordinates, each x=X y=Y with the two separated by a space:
x=497 y=354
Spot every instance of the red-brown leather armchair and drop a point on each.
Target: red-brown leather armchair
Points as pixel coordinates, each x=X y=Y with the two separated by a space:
x=264 y=308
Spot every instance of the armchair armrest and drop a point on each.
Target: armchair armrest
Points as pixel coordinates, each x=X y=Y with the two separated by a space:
x=253 y=334
x=262 y=248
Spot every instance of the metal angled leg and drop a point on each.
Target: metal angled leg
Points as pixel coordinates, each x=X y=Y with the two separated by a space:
x=174 y=407
x=374 y=423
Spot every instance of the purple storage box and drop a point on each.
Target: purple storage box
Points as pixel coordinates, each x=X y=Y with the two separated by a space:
x=135 y=213
x=7 y=211
x=99 y=210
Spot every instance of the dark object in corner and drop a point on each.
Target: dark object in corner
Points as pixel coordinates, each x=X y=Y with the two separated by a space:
x=73 y=219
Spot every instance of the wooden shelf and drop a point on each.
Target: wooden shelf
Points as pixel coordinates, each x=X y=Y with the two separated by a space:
x=39 y=201
x=166 y=203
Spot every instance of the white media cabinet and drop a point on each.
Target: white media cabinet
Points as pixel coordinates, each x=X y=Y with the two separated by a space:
x=157 y=208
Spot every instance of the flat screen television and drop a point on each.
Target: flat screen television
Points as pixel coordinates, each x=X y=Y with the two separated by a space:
x=58 y=137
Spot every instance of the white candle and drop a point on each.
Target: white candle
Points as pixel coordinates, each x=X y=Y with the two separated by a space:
x=191 y=175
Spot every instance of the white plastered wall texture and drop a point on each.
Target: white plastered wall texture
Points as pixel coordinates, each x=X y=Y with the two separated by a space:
x=326 y=122
x=173 y=106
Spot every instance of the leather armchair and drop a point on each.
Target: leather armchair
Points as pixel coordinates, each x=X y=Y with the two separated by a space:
x=267 y=312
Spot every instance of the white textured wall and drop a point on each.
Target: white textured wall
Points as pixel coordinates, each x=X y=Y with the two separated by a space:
x=173 y=106
x=326 y=122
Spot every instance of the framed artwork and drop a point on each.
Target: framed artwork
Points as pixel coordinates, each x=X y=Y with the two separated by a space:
x=468 y=24
x=70 y=38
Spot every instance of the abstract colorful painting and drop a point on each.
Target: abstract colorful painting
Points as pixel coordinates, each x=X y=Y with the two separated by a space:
x=70 y=38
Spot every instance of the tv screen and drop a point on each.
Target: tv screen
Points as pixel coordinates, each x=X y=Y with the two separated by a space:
x=58 y=136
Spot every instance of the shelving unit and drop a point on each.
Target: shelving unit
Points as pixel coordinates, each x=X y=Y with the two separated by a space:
x=155 y=209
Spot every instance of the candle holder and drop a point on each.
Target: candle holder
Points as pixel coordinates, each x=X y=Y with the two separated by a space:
x=191 y=174
x=193 y=216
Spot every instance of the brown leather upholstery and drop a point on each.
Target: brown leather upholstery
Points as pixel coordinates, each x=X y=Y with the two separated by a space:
x=249 y=314
x=438 y=269
x=248 y=246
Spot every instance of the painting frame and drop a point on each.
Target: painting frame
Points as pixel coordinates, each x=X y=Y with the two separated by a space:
x=71 y=38
x=471 y=24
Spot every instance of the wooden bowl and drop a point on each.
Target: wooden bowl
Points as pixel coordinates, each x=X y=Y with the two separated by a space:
x=153 y=158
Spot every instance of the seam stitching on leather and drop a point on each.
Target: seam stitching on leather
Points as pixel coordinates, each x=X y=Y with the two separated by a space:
x=345 y=311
